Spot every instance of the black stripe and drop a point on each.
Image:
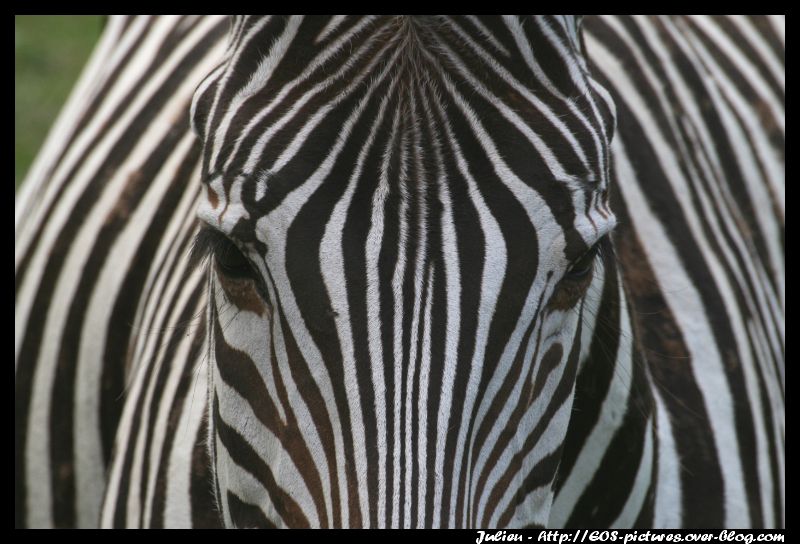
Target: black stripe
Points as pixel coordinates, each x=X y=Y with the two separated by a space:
x=247 y=516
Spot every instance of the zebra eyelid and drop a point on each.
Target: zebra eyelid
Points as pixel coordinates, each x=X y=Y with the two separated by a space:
x=585 y=263
x=205 y=243
x=210 y=242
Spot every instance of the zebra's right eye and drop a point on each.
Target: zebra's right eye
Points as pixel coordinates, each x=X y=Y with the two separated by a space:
x=583 y=266
x=576 y=280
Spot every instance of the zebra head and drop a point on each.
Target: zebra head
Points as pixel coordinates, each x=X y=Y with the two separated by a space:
x=404 y=215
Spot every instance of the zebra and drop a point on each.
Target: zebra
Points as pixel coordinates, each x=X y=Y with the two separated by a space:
x=469 y=271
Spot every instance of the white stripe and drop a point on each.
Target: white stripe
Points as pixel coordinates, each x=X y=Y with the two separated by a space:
x=765 y=54
x=452 y=328
x=39 y=190
x=397 y=339
x=257 y=81
x=332 y=25
x=778 y=23
x=552 y=438
x=38 y=451
x=775 y=395
x=183 y=284
x=301 y=412
x=300 y=139
x=423 y=410
x=530 y=59
x=746 y=160
x=374 y=325
x=36 y=180
x=590 y=313
x=222 y=85
x=246 y=487
x=549 y=158
x=143 y=344
x=742 y=63
x=551 y=331
x=722 y=196
x=493 y=273
x=486 y=34
x=540 y=106
x=65 y=210
x=512 y=403
x=56 y=220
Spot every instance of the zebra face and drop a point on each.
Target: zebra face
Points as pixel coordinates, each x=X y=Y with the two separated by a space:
x=403 y=215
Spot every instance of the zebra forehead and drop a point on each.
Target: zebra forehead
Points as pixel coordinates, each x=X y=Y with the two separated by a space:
x=498 y=100
x=494 y=31
x=277 y=61
x=537 y=53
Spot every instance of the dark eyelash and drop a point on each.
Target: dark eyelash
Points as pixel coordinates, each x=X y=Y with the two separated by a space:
x=205 y=243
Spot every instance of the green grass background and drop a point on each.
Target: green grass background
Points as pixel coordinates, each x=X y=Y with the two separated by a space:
x=49 y=54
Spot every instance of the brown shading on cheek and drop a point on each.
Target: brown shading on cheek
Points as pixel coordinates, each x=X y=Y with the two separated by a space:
x=769 y=122
x=243 y=294
x=127 y=198
x=212 y=197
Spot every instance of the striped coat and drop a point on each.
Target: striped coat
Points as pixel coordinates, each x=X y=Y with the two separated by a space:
x=110 y=323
